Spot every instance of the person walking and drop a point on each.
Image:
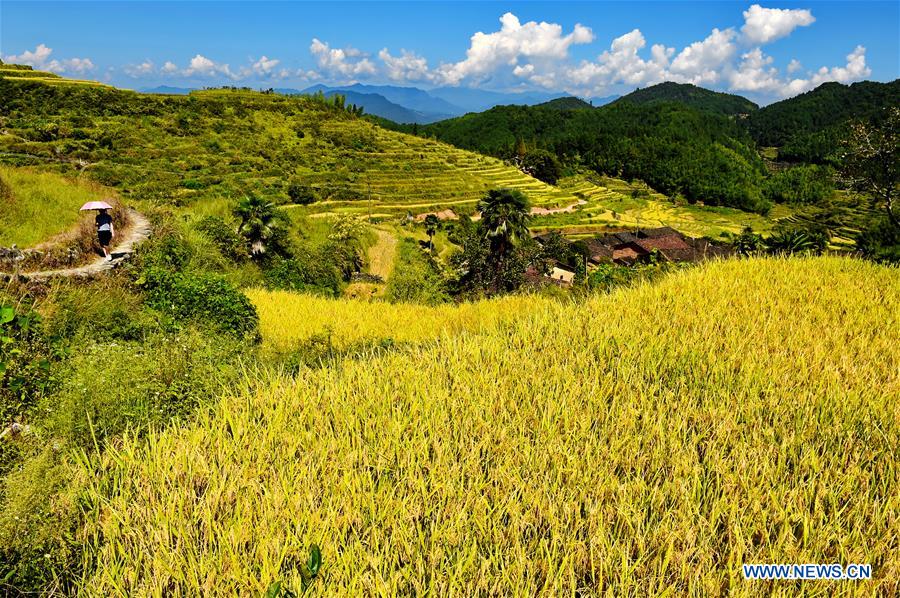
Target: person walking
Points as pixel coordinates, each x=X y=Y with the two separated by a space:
x=105 y=231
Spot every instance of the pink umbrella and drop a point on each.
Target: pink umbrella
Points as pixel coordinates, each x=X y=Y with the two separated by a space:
x=95 y=205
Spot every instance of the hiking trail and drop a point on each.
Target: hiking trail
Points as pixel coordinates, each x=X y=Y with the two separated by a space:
x=138 y=231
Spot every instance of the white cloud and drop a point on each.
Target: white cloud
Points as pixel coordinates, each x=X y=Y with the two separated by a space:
x=537 y=42
x=755 y=74
x=347 y=62
x=169 y=68
x=40 y=59
x=264 y=65
x=406 y=67
x=764 y=25
x=139 y=70
x=854 y=70
x=701 y=61
x=37 y=59
x=794 y=66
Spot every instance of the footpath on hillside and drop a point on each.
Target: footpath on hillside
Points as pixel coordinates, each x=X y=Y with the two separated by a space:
x=138 y=231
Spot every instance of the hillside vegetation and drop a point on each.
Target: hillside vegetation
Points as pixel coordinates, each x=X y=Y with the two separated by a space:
x=196 y=149
x=634 y=445
x=35 y=206
x=674 y=148
x=693 y=96
x=810 y=126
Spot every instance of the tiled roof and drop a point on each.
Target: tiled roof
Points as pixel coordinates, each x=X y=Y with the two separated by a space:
x=667 y=242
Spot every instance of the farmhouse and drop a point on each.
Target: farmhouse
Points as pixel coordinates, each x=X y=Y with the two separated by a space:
x=627 y=248
x=559 y=275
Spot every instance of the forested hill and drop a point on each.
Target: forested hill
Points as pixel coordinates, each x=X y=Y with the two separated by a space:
x=825 y=106
x=567 y=103
x=693 y=96
x=676 y=149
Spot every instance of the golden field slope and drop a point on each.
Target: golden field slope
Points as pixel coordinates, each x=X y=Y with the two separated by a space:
x=288 y=319
x=647 y=442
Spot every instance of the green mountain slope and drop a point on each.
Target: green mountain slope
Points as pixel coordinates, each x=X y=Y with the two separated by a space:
x=212 y=146
x=693 y=96
x=825 y=106
x=676 y=149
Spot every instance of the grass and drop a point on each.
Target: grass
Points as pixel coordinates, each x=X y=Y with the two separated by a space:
x=41 y=205
x=632 y=445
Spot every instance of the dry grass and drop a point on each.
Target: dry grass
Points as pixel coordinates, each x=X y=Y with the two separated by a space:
x=645 y=443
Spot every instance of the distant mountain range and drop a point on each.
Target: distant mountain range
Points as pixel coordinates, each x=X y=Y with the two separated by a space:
x=409 y=105
x=165 y=89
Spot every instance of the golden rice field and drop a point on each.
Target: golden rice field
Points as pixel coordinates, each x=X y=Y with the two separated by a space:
x=288 y=319
x=643 y=443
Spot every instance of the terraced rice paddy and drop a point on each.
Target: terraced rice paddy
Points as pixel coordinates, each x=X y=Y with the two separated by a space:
x=612 y=203
x=410 y=174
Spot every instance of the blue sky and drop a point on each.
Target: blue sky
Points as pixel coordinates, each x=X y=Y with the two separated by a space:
x=765 y=51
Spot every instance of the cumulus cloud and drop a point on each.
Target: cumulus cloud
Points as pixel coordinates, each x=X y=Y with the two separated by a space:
x=855 y=70
x=764 y=25
x=264 y=65
x=346 y=62
x=408 y=66
x=533 y=41
x=755 y=74
x=701 y=61
x=140 y=70
x=794 y=66
x=622 y=64
x=40 y=59
x=202 y=66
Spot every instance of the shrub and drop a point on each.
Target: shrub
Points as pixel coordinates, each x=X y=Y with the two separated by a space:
x=416 y=278
x=542 y=165
x=229 y=243
x=301 y=194
x=880 y=241
x=202 y=297
x=24 y=362
x=303 y=272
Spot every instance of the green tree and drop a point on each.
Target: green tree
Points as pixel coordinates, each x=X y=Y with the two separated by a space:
x=504 y=219
x=432 y=224
x=542 y=165
x=872 y=162
x=300 y=194
x=258 y=223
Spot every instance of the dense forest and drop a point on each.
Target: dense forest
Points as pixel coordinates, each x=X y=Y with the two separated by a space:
x=808 y=127
x=693 y=96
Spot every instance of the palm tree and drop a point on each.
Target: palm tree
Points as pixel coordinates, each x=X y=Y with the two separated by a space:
x=258 y=223
x=504 y=219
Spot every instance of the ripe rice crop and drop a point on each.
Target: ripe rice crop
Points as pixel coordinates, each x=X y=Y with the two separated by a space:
x=288 y=319
x=645 y=442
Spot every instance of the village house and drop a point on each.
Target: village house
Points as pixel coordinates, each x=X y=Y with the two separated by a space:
x=559 y=275
x=627 y=248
